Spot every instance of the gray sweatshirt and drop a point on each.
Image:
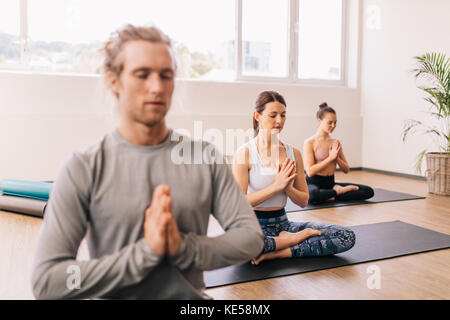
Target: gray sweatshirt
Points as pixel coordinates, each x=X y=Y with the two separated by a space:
x=101 y=193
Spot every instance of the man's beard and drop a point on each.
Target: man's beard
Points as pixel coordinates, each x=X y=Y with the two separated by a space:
x=151 y=122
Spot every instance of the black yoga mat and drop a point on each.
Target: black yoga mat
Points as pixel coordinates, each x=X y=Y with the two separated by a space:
x=380 y=195
x=373 y=242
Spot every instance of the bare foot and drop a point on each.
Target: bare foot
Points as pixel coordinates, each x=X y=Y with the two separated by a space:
x=288 y=239
x=312 y=232
x=256 y=261
x=300 y=236
x=284 y=253
x=342 y=190
x=284 y=241
x=285 y=234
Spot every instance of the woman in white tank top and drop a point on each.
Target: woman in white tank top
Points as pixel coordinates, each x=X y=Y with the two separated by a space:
x=269 y=171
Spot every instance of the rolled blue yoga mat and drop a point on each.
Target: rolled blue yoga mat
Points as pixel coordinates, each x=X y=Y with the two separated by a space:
x=25 y=188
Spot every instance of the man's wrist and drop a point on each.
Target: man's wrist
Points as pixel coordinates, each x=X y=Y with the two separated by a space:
x=149 y=254
x=178 y=256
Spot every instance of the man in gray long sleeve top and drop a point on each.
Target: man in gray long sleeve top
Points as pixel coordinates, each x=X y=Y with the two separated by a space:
x=144 y=215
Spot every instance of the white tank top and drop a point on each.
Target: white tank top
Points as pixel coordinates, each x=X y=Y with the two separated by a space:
x=261 y=176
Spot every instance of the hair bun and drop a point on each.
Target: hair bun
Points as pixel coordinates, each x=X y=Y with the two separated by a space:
x=323 y=105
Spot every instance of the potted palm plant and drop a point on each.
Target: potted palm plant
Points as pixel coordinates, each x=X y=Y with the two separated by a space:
x=433 y=70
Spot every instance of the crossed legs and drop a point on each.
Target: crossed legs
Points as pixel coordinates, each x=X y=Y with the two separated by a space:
x=282 y=243
x=316 y=239
x=339 y=192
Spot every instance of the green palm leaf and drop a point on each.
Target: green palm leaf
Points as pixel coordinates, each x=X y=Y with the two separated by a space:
x=434 y=69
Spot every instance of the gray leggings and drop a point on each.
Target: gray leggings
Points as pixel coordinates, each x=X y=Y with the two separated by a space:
x=334 y=238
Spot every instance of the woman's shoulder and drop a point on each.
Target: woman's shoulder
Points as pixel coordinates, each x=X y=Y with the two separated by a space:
x=309 y=142
x=246 y=147
x=287 y=146
x=242 y=154
x=296 y=152
x=291 y=149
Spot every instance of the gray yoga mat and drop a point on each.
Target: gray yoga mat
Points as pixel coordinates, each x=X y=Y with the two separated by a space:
x=373 y=242
x=380 y=195
x=23 y=205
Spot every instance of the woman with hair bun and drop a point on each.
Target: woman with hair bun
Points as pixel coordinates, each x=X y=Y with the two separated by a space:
x=321 y=156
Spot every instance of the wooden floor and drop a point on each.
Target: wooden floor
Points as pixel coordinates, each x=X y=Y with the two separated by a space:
x=418 y=276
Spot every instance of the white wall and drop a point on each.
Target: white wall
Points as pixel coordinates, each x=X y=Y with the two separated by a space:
x=44 y=118
x=388 y=91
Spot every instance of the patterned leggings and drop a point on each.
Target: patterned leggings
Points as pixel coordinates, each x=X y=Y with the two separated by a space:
x=334 y=238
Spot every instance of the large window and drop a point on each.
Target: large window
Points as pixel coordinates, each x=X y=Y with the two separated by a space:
x=74 y=30
x=265 y=38
x=320 y=36
x=274 y=40
x=9 y=33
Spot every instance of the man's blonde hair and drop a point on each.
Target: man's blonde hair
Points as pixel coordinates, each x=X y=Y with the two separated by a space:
x=113 y=46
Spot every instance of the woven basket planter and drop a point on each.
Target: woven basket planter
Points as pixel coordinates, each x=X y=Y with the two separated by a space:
x=438 y=173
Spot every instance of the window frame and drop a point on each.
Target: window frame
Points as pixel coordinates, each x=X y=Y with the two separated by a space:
x=24 y=47
x=343 y=80
x=239 y=54
x=21 y=65
x=293 y=48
